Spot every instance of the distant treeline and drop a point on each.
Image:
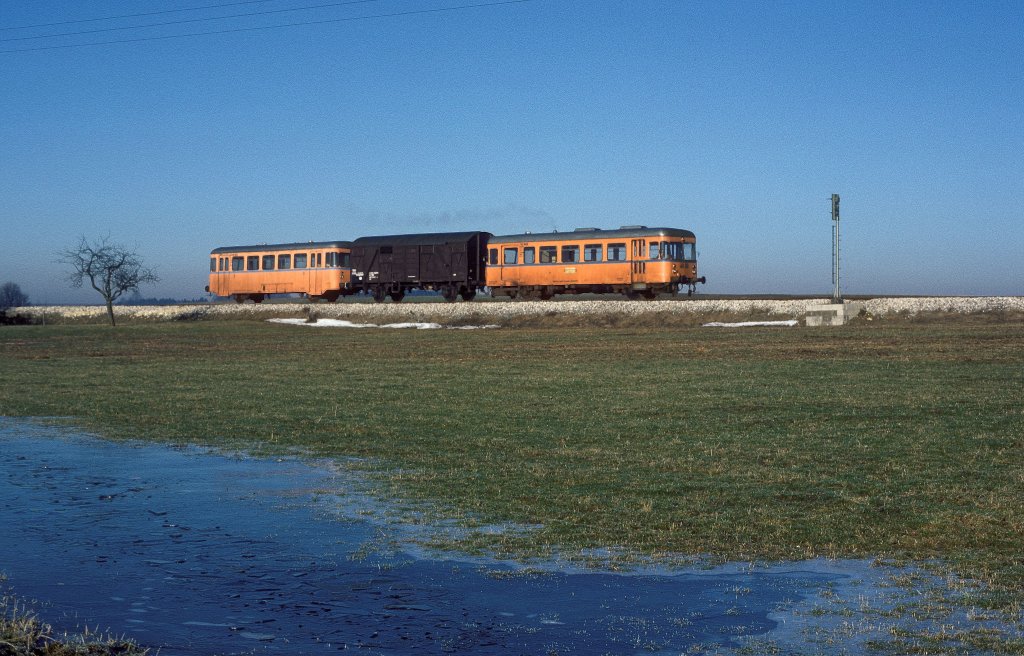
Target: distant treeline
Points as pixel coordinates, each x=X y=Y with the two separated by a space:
x=138 y=300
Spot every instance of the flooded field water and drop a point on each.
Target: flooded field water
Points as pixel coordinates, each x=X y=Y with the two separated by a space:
x=191 y=552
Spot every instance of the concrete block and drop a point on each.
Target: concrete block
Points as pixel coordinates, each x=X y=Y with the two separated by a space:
x=832 y=314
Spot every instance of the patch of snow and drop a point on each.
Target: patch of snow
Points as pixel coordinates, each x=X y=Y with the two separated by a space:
x=745 y=324
x=342 y=323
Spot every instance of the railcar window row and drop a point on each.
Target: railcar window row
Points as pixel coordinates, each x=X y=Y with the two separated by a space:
x=570 y=253
x=282 y=261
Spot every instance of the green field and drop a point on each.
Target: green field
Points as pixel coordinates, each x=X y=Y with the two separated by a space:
x=900 y=440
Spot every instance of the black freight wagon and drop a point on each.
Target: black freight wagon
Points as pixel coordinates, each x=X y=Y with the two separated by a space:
x=453 y=263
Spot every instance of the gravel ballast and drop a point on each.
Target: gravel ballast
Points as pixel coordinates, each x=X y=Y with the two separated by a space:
x=499 y=311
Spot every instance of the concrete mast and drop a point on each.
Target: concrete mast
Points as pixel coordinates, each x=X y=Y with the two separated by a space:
x=837 y=296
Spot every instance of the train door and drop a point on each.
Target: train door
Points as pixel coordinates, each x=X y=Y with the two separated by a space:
x=308 y=273
x=216 y=284
x=459 y=270
x=638 y=265
x=509 y=261
x=317 y=279
x=385 y=264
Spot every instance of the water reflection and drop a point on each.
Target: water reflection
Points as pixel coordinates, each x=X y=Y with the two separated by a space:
x=198 y=553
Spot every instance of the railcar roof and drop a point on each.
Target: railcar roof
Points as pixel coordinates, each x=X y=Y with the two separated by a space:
x=425 y=239
x=296 y=246
x=582 y=235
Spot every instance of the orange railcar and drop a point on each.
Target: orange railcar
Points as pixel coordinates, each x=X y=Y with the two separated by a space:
x=634 y=260
x=320 y=270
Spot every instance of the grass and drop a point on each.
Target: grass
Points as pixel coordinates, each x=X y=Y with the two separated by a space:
x=23 y=634
x=902 y=440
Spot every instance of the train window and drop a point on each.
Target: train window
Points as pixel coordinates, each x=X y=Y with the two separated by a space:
x=493 y=255
x=319 y=260
x=268 y=262
x=345 y=259
x=548 y=254
x=529 y=255
x=220 y=264
x=655 y=250
x=570 y=253
x=689 y=251
x=332 y=259
x=616 y=252
x=213 y=264
x=510 y=255
x=237 y=263
x=592 y=253
x=300 y=260
x=252 y=263
x=284 y=261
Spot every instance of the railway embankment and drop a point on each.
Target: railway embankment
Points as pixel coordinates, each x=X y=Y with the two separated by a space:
x=515 y=312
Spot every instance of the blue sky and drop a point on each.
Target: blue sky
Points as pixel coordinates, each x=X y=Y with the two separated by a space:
x=736 y=120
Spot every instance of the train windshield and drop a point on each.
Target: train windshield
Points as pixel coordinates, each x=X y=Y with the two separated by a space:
x=673 y=250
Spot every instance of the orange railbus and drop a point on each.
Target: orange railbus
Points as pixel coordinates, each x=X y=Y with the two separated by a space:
x=321 y=270
x=634 y=260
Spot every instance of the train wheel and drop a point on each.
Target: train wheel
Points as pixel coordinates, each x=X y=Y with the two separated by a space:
x=331 y=297
x=467 y=295
x=379 y=295
x=397 y=297
x=239 y=298
x=257 y=298
x=632 y=294
x=546 y=293
x=649 y=294
x=450 y=293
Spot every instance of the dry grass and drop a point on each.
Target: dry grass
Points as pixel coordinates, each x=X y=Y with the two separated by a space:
x=23 y=634
x=899 y=439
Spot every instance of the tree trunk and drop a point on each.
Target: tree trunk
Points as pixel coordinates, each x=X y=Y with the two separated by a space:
x=110 y=312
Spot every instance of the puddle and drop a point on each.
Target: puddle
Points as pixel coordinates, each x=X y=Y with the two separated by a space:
x=191 y=552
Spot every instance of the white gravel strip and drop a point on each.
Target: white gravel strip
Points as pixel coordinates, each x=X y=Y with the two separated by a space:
x=482 y=312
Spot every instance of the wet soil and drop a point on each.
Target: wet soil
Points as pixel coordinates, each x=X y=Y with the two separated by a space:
x=192 y=552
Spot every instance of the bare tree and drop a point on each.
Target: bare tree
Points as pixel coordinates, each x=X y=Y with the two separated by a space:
x=11 y=296
x=110 y=268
